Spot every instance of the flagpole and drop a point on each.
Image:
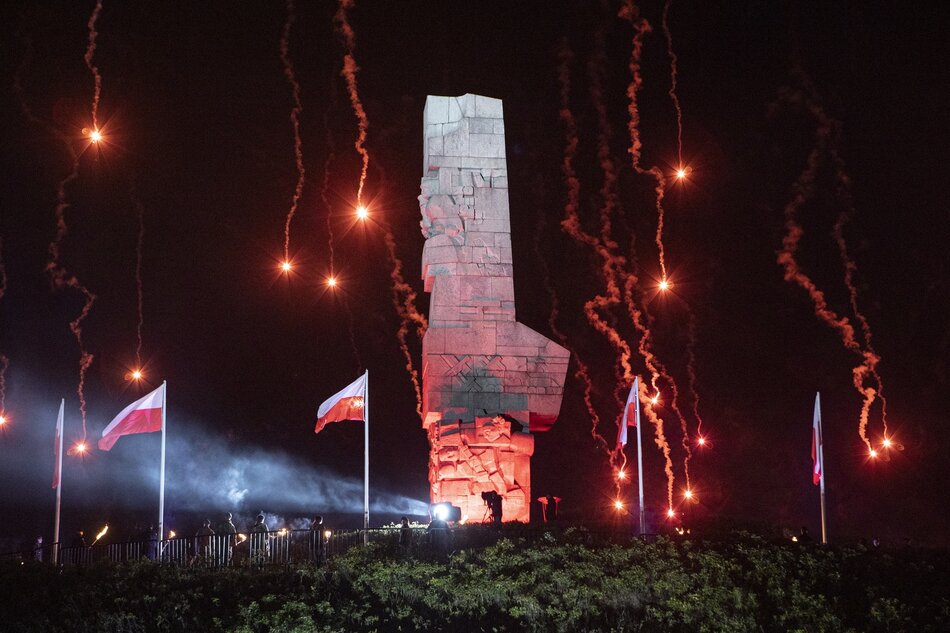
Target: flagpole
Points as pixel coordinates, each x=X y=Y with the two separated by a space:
x=639 y=454
x=366 y=460
x=161 y=474
x=821 y=462
x=59 y=484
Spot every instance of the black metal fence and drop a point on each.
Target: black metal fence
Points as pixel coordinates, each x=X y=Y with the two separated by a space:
x=285 y=547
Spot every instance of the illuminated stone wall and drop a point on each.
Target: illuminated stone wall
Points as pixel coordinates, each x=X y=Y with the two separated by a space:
x=488 y=381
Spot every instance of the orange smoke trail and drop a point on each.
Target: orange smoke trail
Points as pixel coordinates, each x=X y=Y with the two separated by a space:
x=673 y=77
x=657 y=371
x=294 y=120
x=641 y=27
x=404 y=301
x=139 y=290
x=803 y=190
x=4 y=361
x=571 y=223
x=846 y=213
x=660 y=439
x=350 y=68
x=88 y=57
x=691 y=370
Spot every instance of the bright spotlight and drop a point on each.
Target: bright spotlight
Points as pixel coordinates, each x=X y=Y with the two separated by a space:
x=441 y=511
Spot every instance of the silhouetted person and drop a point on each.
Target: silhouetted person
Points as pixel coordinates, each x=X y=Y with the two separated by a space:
x=258 y=537
x=804 y=537
x=493 y=500
x=405 y=534
x=79 y=540
x=226 y=535
x=318 y=541
x=438 y=531
x=152 y=538
x=203 y=541
x=38 y=549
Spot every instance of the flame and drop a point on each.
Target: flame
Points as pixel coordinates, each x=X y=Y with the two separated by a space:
x=655 y=399
x=701 y=441
x=171 y=533
x=680 y=173
x=362 y=212
x=241 y=538
x=873 y=453
x=286 y=266
x=670 y=513
x=886 y=443
x=80 y=447
x=101 y=534
x=3 y=420
x=621 y=474
x=137 y=374
x=95 y=136
x=688 y=494
x=327 y=534
x=664 y=285
x=618 y=504
x=331 y=281
x=282 y=531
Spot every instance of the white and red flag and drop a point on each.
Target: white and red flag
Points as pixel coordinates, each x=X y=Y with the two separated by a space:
x=347 y=404
x=58 y=447
x=142 y=416
x=816 y=445
x=631 y=413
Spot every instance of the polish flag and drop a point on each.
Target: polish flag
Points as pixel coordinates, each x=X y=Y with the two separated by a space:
x=816 y=444
x=58 y=446
x=348 y=404
x=630 y=418
x=142 y=416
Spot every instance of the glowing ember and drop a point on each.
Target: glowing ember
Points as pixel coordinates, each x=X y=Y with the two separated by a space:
x=618 y=504
x=873 y=453
x=241 y=538
x=331 y=281
x=171 y=533
x=362 y=212
x=285 y=266
x=621 y=474
x=282 y=531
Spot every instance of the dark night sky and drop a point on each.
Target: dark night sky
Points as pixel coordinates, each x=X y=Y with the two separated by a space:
x=197 y=115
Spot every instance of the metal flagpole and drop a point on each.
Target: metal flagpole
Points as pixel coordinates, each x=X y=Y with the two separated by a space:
x=59 y=484
x=161 y=474
x=820 y=450
x=636 y=385
x=366 y=458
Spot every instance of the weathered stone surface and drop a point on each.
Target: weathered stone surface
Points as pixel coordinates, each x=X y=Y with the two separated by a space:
x=488 y=381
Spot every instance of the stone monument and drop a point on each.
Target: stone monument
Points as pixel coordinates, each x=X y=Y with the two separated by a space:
x=488 y=381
